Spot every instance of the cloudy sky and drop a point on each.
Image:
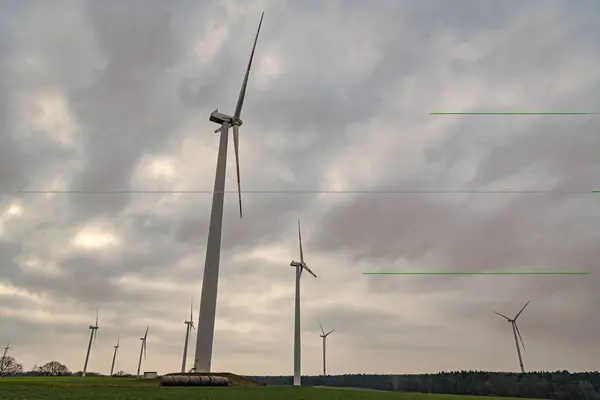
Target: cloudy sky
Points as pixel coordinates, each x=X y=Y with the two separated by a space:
x=115 y=96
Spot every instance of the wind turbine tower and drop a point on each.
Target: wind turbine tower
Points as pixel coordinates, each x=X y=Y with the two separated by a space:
x=112 y=366
x=4 y=354
x=93 y=334
x=324 y=336
x=142 y=351
x=210 y=282
x=515 y=328
x=300 y=266
x=189 y=325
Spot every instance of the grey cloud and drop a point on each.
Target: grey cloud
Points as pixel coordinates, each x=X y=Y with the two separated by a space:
x=137 y=86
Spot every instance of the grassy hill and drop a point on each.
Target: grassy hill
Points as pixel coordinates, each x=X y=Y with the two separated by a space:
x=100 y=388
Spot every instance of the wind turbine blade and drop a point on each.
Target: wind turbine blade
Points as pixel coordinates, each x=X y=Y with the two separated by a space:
x=308 y=270
x=96 y=316
x=502 y=315
x=236 y=145
x=321 y=327
x=193 y=327
x=520 y=337
x=240 y=102
x=118 y=340
x=331 y=331
x=146 y=334
x=192 y=311
x=300 y=241
x=94 y=334
x=145 y=348
x=522 y=310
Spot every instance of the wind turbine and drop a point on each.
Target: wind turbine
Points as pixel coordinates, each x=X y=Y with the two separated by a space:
x=93 y=334
x=4 y=355
x=516 y=332
x=300 y=266
x=324 y=336
x=210 y=282
x=189 y=326
x=142 y=351
x=112 y=366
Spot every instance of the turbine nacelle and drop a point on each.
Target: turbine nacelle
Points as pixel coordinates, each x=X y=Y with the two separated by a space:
x=219 y=118
x=297 y=264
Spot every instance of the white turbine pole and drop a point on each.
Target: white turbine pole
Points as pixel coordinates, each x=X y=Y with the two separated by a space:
x=93 y=329
x=112 y=366
x=300 y=266
x=189 y=325
x=324 y=352
x=142 y=351
x=210 y=282
x=297 y=352
x=324 y=336
x=515 y=328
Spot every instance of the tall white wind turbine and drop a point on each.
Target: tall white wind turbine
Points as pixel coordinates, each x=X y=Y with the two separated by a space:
x=189 y=325
x=112 y=366
x=210 y=282
x=324 y=336
x=300 y=266
x=142 y=351
x=515 y=328
x=93 y=334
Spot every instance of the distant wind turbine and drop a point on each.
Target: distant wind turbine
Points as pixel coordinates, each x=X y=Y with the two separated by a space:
x=516 y=332
x=324 y=336
x=210 y=282
x=4 y=354
x=189 y=325
x=300 y=266
x=142 y=351
x=112 y=366
x=93 y=334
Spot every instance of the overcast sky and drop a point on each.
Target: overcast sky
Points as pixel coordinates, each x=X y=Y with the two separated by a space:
x=116 y=95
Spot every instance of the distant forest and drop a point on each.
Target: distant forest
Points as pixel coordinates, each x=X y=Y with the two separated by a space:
x=559 y=385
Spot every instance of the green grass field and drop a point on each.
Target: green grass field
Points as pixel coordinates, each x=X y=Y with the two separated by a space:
x=95 y=388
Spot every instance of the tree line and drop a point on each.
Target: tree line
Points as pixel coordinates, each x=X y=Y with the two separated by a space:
x=559 y=385
x=9 y=366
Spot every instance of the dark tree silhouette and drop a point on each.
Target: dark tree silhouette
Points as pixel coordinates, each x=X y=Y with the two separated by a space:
x=54 y=368
x=559 y=385
x=10 y=366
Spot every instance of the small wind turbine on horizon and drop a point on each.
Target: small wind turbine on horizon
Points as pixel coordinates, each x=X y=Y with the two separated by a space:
x=142 y=351
x=210 y=282
x=324 y=336
x=4 y=355
x=300 y=266
x=189 y=325
x=93 y=334
x=515 y=328
x=112 y=366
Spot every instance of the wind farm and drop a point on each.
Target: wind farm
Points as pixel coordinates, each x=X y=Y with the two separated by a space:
x=423 y=219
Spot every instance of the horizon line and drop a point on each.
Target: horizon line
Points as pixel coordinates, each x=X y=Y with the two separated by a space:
x=479 y=273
